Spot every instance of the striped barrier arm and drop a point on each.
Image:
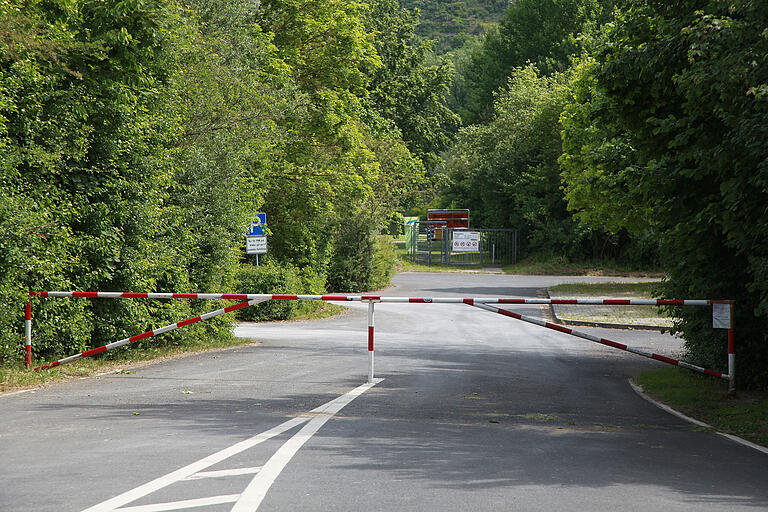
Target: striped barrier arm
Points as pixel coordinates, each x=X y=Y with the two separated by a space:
x=148 y=334
x=480 y=302
x=602 y=341
x=378 y=298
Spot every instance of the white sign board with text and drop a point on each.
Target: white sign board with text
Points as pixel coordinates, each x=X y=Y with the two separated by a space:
x=721 y=316
x=466 y=241
x=255 y=245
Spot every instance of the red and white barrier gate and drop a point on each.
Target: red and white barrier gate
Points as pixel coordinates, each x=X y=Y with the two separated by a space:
x=724 y=320
x=148 y=334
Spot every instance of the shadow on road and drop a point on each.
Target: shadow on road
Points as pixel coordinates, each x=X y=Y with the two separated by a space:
x=483 y=419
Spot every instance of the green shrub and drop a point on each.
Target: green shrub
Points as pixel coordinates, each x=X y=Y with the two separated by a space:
x=270 y=278
x=361 y=261
x=384 y=261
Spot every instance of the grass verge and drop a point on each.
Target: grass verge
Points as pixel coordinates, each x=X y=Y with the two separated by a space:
x=618 y=315
x=18 y=378
x=561 y=267
x=405 y=265
x=707 y=400
x=639 y=289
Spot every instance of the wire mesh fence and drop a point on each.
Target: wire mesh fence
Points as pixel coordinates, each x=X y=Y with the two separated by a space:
x=433 y=243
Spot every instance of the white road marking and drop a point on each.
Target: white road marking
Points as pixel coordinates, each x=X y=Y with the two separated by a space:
x=182 y=473
x=177 y=505
x=316 y=417
x=224 y=473
x=253 y=495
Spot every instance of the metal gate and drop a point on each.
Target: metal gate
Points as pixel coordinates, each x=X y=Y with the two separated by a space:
x=431 y=243
x=496 y=247
x=425 y=242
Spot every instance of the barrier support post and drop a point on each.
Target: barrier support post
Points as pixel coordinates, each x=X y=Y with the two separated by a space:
x=731 y=353
x=370 y=341
x=28 y=334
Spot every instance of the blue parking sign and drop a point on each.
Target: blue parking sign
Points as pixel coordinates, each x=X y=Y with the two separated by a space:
x=256 y=227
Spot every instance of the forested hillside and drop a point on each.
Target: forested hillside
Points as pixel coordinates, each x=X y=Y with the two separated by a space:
x=452 y=23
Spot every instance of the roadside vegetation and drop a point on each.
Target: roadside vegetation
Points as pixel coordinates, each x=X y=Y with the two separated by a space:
x=630 y=132
x=706 y=399
x=554 y=266
x=634 y=290
x=137 y=139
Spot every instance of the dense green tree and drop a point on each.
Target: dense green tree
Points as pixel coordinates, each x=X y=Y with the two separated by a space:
x=541 y=32
x=506 y=172
x=85 y=152
x=598 y=161
x=406 y=89
x=459 y=95
x=136 y=138
x=678 y=95
x=346 y=162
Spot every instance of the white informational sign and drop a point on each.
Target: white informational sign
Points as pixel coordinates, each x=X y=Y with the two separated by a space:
x=255 y=245
x=721 y=316
x=466 y=241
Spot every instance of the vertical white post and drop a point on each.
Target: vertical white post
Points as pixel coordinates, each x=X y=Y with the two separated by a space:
x=370 y=341
x=731 y=354
x=28 y=334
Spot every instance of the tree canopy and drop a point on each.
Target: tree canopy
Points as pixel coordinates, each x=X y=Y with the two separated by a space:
x=139 y=137
x=667 y=127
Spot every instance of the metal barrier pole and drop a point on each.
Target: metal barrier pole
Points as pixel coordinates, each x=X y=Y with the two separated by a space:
x=28 y=334
x=370 y=341
x=731 y=354
x=149 y=334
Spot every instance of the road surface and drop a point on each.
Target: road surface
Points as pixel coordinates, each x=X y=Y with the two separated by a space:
x=475 y=411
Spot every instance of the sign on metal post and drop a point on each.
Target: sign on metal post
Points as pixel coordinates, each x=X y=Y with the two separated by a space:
x=255 y=245
x=466 y=241
x=256 y=239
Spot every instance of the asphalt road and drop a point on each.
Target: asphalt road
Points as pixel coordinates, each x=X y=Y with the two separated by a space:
x=475 y=411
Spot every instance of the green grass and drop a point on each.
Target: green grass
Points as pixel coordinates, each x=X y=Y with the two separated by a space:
x=15 y=378
x=404 y=264
x=619 y=315
x=560 y=267
x=706 y=399
x=640 y=289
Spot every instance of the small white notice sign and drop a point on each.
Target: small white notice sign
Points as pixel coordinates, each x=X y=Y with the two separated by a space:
x=721 y=316
x=255 y=245
x=466 y=241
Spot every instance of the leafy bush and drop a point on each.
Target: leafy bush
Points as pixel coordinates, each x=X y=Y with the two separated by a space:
x=270 y=278
x=361 y=260
x=384 y=261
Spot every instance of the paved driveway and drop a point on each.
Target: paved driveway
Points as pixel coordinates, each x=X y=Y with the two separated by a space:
x=475 y=412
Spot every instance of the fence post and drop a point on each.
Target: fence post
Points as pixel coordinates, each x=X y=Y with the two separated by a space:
x=448 y=244
x=28 y=334
x=370 y=341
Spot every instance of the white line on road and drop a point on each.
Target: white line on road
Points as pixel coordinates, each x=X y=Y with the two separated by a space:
x=253 y=495
x=224 y=473
x=326 y=411
x=177 y=505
